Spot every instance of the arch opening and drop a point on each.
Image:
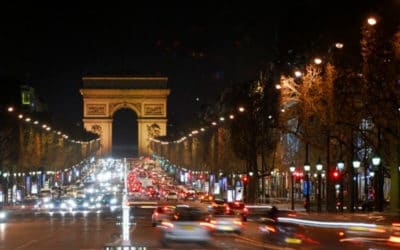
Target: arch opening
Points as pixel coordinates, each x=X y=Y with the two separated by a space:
x=124 y=133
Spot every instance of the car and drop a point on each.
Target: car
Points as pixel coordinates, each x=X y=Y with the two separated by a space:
x=3 y=214
x=205 y=197
x=218 y=206
x=160 y=214
x=237 y=208
x=278 y=229
x=190 y=197
x=226 y=223
x=186 y=224
x=172 y=196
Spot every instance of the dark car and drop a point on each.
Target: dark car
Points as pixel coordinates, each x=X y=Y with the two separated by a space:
x=283 y=233
x=237 y=208
x=161 y=213
x=217 y=207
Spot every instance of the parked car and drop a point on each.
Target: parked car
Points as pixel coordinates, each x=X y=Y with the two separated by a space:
x=186 y=224
x=160 y=214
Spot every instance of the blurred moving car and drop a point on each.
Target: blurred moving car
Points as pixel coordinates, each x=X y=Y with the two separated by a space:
x=237 y=208
x=3 y=214
x=284 y=233
x=186 y=224
x=160 y=214
x=227 y=223
x=217 y=207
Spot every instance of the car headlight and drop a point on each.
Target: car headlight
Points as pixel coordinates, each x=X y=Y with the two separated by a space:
x=3 y=215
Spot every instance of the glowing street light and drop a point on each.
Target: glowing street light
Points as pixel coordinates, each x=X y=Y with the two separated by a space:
x=319 y=168
x=356 y=166
x=298 y=73
x=339 y=45
x=318 y=60
x=371 y=21
x=292 y=168
x=307 y=169
x=241 y=109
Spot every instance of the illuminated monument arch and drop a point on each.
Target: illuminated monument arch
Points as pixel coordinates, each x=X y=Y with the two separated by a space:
x=146 y=96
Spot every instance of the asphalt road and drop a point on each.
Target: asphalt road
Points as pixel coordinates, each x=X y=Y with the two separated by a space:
x=30 y=230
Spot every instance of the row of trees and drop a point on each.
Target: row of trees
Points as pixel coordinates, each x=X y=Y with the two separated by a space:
x=27 y=147
x=345 y=108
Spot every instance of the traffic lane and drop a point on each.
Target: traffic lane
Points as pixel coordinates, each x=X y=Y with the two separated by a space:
x=146 y=235
x=250 y=238
x=57 y=232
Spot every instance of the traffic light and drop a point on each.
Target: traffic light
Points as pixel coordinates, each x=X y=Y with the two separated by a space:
x=335 y=175
x=245 y=179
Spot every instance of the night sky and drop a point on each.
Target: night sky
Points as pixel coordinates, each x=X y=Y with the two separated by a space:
x=202 y=47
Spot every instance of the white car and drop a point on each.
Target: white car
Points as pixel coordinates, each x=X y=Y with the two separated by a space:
x=3 y=215
x=172 y=196
x=227 y=223
x=187 y=224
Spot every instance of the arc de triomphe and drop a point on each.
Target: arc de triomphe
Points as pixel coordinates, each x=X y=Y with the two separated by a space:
x=146 y=96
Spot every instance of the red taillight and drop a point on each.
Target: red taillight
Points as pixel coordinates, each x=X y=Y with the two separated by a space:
x=155 y=214
x=270 y=229
x=245 y=210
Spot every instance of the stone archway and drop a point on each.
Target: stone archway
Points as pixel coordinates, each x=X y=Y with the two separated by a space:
x=146 y=96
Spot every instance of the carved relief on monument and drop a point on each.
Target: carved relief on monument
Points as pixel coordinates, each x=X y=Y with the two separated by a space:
x=96 y=109
x=154 y=109
x=153 y=130
x=97 y=129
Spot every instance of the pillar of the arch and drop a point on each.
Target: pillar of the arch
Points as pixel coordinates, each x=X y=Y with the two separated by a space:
x=102 y=127
x=149 y=128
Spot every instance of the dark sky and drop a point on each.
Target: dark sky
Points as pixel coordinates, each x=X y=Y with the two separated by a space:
x=200 y=46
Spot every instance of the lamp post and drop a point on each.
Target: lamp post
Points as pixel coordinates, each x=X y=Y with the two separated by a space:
x=356 y=166
x=292 y=168
x=319 y=167
x=376 y=161
x=307 y=168
x=340 y=166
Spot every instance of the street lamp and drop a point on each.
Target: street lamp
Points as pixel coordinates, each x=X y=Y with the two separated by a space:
x=376 y=162
x=340 y=166
x=307 y=168
x=292 y=168
x=356 y=166
x=319 y=167
x=371 y=21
